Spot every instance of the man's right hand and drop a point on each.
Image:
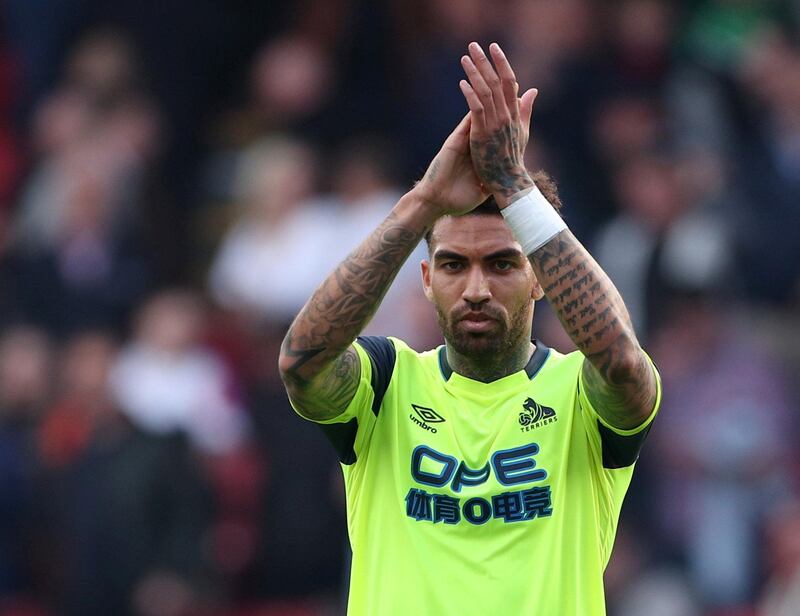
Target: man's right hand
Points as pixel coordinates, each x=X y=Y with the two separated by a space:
x=450 y=185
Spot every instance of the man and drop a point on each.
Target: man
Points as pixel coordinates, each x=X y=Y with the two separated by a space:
x=486 y=475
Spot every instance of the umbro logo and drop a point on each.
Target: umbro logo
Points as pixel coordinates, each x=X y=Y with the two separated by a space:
x=422 y=416
x=426 y=414
x=534 y=415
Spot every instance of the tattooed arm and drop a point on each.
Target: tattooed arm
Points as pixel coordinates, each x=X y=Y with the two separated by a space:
x=318 y=365
x=617 y=375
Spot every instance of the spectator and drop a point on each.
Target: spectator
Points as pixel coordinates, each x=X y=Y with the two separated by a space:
x=661 y=238
x=769 y=168
x=25 y=356
x=127 y=509
x=165 y=380
x=721 y=448
x=75 y=243
x=258 y=270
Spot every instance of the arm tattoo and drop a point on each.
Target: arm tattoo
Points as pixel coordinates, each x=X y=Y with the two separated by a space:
x=331 y=390
x=499 y=163
x=617 y=375
x=627 y=402
x=318 y=366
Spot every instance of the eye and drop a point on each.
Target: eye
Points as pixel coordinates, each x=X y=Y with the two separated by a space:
x=451 y=266
x=504 y=266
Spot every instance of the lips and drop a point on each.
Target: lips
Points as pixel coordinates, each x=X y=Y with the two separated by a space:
x=476 y=322
x=476 y=317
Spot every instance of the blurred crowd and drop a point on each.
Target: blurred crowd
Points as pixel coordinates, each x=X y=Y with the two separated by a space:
x=175 y=180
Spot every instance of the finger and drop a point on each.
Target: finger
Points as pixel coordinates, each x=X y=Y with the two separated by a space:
x=490 y=77
x=526 y=106
x=460 y=134
x=463 y=125
x=508 y=79
x=476 y=109
x=478 y=85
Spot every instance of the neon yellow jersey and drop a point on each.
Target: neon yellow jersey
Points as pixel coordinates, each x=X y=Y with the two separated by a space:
x=478 y=498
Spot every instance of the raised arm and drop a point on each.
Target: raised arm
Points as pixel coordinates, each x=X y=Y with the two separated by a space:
x=617 y=376
x=317 y=363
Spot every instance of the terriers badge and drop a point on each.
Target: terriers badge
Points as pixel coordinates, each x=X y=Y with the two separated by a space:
x=534 y=415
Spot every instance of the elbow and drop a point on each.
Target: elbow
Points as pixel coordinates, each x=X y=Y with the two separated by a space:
x=284 y=366
x=287 y=369
x=292 y=382
x=627 y=367
x=287 y=364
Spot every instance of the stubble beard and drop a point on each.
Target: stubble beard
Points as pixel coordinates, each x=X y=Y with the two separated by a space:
x=489 y=346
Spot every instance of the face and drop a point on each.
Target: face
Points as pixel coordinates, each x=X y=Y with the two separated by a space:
x=481 y=284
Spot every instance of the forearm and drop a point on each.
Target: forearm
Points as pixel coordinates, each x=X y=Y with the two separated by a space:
x=586 y=301
x=617 y=374
x=344 y=303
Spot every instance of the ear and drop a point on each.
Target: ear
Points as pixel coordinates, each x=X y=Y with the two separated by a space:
x=426 y=279
x=537 y=292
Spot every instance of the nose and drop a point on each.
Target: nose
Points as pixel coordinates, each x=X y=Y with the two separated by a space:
x=476 y=289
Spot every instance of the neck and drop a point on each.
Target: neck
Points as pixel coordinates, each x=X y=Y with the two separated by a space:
x=488 y=369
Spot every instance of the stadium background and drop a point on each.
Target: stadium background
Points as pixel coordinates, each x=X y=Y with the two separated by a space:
x=175 y=179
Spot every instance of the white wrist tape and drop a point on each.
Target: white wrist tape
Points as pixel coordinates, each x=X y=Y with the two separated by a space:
x=533 y=220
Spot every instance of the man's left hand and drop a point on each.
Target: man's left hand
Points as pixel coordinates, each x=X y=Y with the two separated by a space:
x=500 y=122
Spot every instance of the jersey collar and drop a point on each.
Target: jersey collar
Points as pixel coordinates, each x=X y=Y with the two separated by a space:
x=535 y=363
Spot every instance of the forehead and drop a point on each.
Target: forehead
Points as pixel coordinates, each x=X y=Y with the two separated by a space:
x=472 y=235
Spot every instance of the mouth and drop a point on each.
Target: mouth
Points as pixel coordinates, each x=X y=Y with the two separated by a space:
x=476 y=322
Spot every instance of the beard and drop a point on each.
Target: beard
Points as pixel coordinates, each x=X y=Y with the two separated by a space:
x=494 y=343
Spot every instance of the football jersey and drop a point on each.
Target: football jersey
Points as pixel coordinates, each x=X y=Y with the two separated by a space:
x=466 y=497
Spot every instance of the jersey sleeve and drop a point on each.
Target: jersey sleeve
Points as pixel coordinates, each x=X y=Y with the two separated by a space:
x=351 y=431
x=620 y=448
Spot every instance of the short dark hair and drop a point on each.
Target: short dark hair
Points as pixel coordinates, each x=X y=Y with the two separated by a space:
x=546 y=185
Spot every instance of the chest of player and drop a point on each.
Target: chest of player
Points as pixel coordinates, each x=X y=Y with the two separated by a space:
x=463 y=453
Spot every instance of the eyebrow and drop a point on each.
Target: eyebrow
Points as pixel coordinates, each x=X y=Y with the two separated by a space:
x=448 y=254
x=505 y=253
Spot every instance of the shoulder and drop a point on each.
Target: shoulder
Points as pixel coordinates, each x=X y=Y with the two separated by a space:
x=391 y=358
x=388 y=354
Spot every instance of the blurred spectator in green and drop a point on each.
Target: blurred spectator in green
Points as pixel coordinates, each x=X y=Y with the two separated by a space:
x=718 y=32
